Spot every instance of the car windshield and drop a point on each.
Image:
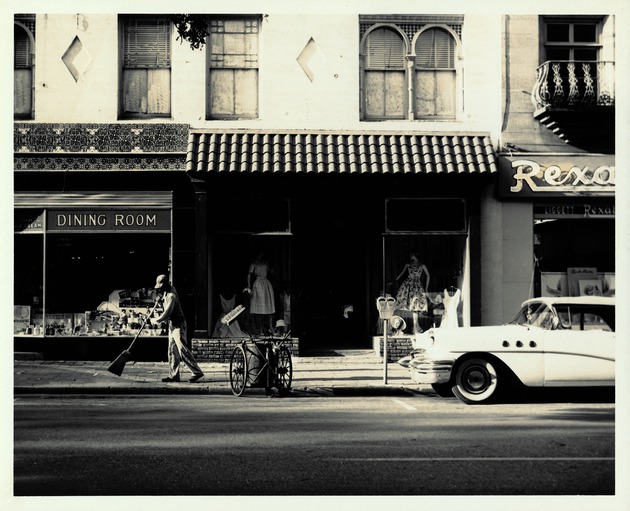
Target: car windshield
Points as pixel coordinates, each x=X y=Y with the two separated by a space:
x=534 y=314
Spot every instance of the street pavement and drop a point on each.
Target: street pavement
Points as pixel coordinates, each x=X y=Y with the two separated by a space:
x=345 y=372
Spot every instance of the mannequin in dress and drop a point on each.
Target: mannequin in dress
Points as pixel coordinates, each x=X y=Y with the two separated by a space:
x=452 y=297
x=285 y=305
x=262 y=300
x=411 y=294
x=232 y=329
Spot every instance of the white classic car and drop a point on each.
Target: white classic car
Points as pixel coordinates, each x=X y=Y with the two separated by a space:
x=552 y=342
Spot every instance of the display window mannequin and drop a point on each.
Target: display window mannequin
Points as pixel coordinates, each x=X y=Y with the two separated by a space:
x=412 y=293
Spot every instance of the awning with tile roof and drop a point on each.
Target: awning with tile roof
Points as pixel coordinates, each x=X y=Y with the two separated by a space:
x=339 y=153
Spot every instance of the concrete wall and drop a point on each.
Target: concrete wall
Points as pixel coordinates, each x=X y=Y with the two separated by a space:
x=521 y=60
x=518 y=255
x=288 y=98
x=507 y=248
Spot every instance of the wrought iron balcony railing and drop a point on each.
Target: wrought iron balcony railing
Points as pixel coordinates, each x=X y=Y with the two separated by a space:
x=571 y=84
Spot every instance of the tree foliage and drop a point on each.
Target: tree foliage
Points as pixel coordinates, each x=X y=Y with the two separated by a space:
x=192 y=28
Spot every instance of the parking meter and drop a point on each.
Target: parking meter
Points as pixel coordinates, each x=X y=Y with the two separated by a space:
x=385 y=306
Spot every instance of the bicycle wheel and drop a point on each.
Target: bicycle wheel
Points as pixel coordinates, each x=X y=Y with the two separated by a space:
x=238 y=370
x=284 y=369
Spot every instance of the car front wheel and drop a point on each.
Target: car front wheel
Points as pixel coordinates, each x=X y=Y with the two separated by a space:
x=476 y=381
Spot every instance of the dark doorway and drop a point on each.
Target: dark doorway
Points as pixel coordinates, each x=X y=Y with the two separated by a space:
x=331 y=261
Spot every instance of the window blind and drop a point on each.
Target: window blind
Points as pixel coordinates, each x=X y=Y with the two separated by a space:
x=385 y=50
x=22 y=48
x=435 y=49
x=147 y=43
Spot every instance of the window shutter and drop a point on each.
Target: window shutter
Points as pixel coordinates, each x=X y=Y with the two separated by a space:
x=435 y=49
x=21 y=48
x=233 y=68
x=385 y=50
x=147 y=43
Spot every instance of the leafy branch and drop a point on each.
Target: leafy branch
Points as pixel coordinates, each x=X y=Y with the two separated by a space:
x=192 y=28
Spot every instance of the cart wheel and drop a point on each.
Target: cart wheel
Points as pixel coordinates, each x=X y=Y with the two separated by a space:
x=285 y=368
x=238 y=370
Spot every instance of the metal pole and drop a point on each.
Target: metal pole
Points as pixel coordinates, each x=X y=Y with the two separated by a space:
x=385 y=329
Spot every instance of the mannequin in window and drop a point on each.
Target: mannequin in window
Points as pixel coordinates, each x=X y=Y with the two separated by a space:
x=452 y=297
x=232 y=329
x=284 y=298
x=411 y=294
x=262 y=301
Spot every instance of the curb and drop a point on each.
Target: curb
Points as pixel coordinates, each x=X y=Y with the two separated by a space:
x=315 y=391
x=120 y=390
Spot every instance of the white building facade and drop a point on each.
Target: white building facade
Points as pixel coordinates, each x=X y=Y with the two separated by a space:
x=335 y=143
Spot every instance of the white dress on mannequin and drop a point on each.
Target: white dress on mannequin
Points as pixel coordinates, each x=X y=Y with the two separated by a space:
x=231 y=330
x=451 y=304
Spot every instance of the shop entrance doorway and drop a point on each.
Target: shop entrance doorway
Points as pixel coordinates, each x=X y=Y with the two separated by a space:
x=330 y=265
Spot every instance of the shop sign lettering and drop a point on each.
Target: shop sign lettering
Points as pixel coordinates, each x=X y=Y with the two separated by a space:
x=537 y=178
x=154 y=220
x=574 y=211
x=28 y=222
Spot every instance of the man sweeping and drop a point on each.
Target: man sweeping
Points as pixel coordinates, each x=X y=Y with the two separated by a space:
x=177 y=349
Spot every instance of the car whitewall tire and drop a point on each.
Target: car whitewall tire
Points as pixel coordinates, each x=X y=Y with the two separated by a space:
x=476 y=381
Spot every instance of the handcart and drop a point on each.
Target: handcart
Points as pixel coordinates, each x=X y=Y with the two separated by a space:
x=259 y=362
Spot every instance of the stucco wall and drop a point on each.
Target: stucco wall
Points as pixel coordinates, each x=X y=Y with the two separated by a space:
x=507 y=251
x=288 y=98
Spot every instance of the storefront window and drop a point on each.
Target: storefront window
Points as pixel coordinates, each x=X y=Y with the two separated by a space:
x=28 y=290
x=102 y=284
x=425 y=274
x=574 y=256
x=253 y=271
x=251 y=266
x=88 y=272
x=424 y=262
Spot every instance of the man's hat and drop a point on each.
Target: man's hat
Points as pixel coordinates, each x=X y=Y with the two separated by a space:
x=160 y=281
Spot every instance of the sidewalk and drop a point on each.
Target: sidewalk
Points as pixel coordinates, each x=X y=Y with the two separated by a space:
x=346 y=372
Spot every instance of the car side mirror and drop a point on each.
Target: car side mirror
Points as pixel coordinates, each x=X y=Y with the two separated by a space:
x=555 y=323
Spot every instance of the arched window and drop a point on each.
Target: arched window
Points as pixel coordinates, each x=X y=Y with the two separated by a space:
x=435 y=77
x=384 y=75
x=23 y=57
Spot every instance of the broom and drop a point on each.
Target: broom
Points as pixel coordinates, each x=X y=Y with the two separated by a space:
x=118 y=365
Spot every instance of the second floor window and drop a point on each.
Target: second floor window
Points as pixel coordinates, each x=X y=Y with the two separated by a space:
x=571 y=40
x=435 y=74
x=146 y=67
x=410 y=68
x=23 y=67
x=384 y=75
x=233 y=68
x=575 y=73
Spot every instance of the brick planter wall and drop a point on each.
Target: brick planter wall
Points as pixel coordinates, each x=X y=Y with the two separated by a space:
x=397 y=347
x=219 y=350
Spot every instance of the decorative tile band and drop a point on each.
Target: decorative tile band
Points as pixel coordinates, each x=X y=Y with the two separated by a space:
x=96 y=162
x=99 y=138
